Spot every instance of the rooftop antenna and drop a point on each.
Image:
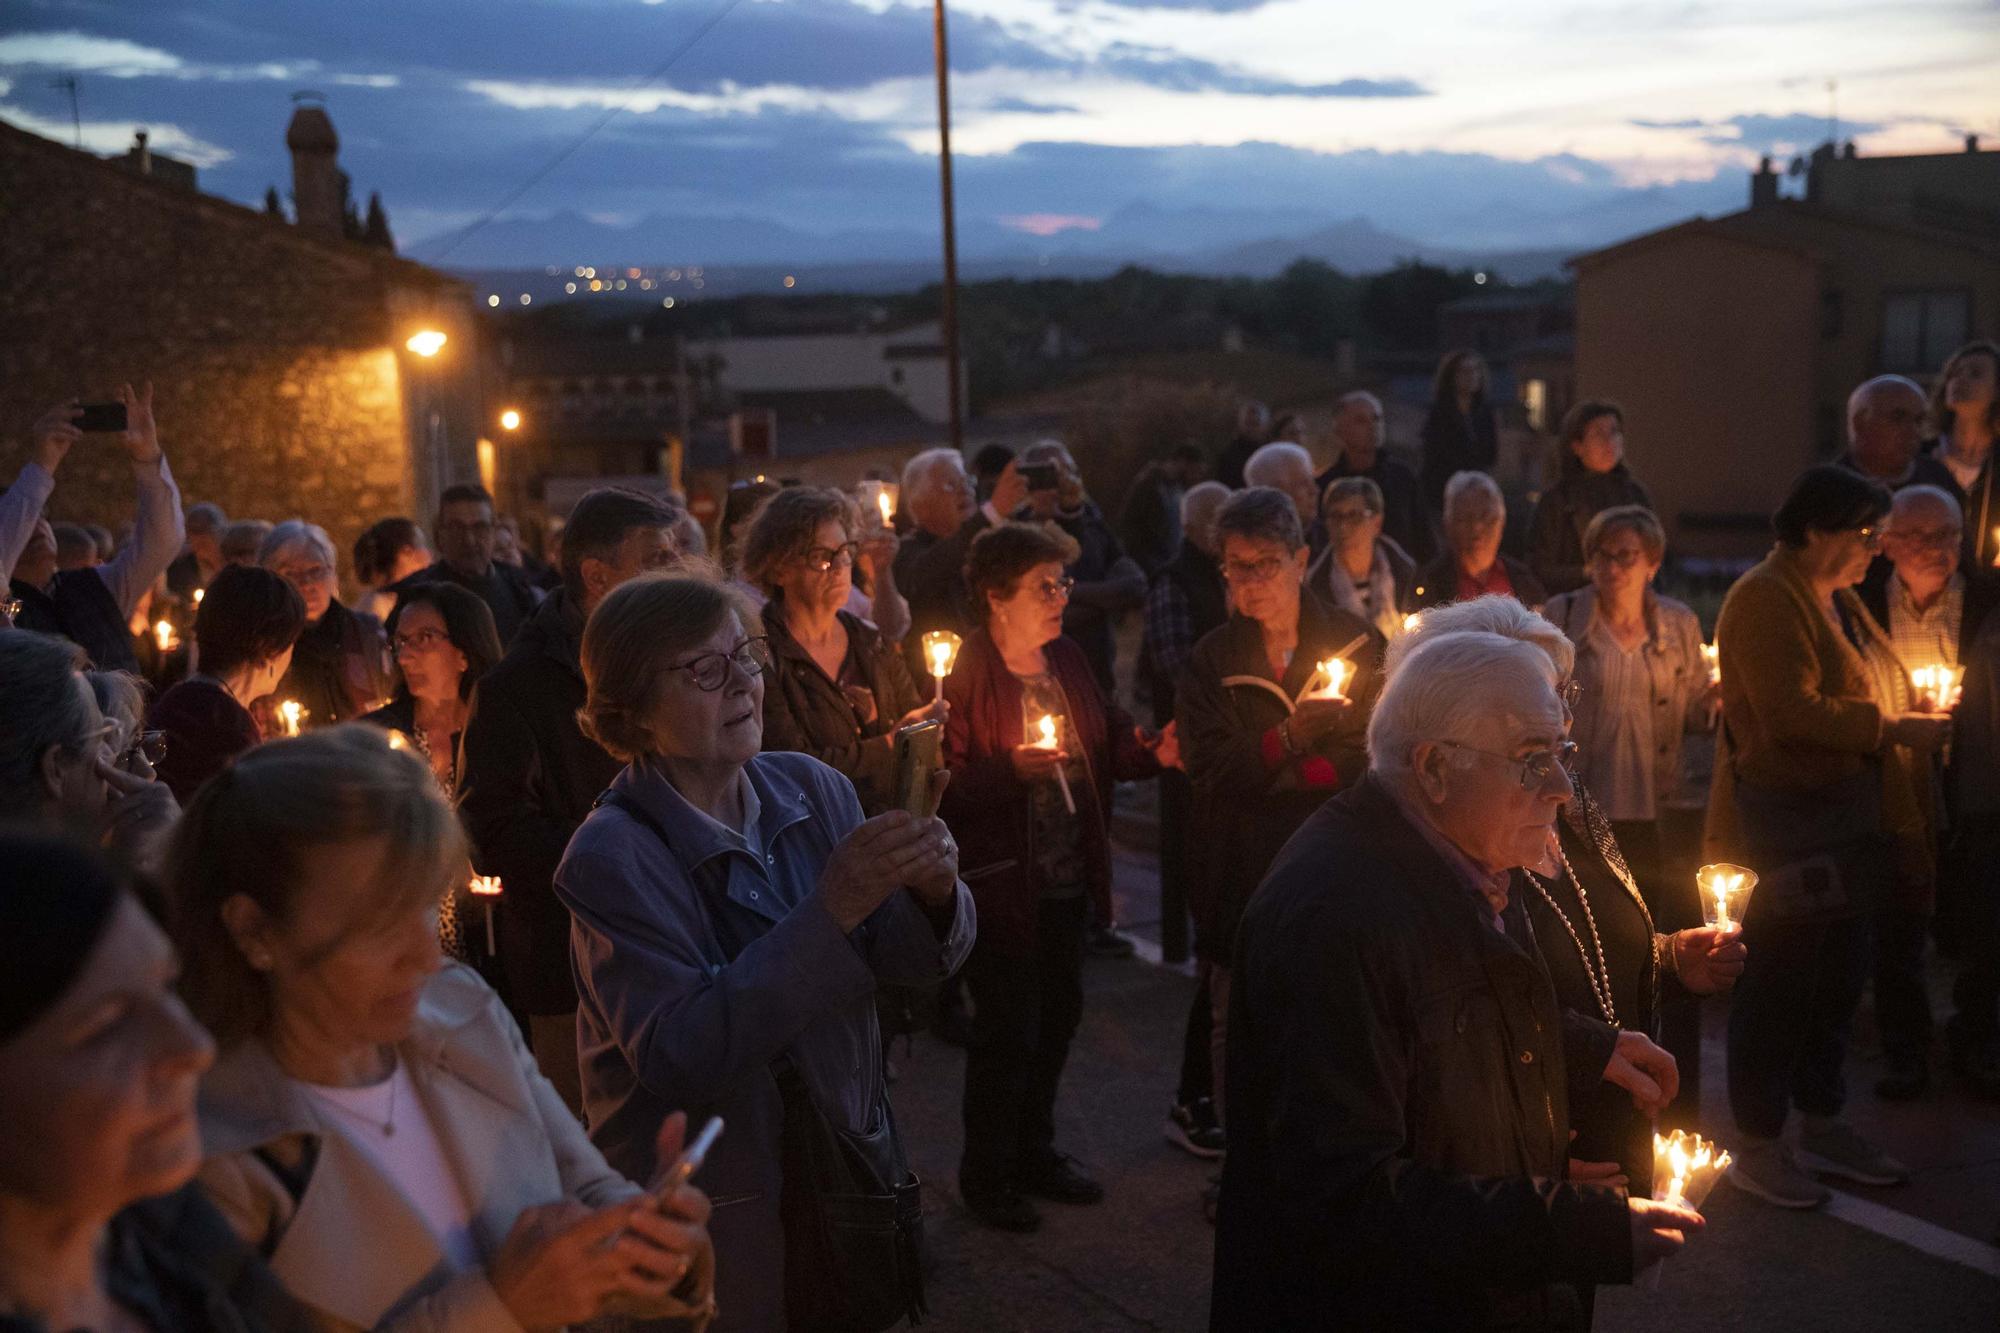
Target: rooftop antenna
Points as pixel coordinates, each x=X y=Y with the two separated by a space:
x=67 y=84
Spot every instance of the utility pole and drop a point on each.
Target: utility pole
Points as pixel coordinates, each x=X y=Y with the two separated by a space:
x=67 y=84
x=949 y=312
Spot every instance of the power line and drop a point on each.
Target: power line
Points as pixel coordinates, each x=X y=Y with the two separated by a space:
x=610 y=114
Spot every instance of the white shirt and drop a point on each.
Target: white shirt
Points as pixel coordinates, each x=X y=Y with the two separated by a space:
x=412 y=1159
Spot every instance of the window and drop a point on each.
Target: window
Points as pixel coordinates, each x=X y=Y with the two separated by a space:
x=1921 y=329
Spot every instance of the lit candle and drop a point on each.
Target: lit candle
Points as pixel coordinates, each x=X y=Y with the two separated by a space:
x=1329 y=678
x=163 y=634
x=1410 y=622
x=1939 y=686
x=1050 y=741
x=885 y=503
x=1712 y=655
x=1685 y=1168
x=486 y=888
x=291 y=714
x=941 y=652
x=197 y=595
x=1725 y=894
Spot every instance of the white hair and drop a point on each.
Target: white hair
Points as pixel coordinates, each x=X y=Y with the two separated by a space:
x=1492 y=614
x=1447 y=687
x=1465 y=487
x=917 y=472
x=1201 y=502
x=1267 y=466
x=1916 y=497
x=1355 y=396
x=297 y=532
x=1858 y=401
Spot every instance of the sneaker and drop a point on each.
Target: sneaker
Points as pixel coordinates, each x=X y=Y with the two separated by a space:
x=1106 y=942
x=1191 y=1126
x=1061 y=1182
x=1004 y=1210
x=1830 y=1145
x=1767 y=1169
x=1907 y=1078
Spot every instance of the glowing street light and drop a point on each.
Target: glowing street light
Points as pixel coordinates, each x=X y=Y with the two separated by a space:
x=426 y=342
x=510 y=420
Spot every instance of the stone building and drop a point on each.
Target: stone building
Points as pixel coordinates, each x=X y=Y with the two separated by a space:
x=1733 y=342
x=277 y=351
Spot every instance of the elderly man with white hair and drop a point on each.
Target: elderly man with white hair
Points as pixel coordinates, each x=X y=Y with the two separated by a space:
x=945 y=515
x=1399 y=1111
x=1885 y=431
x=1285 y=466
x=340 y=666
x=1475 y=517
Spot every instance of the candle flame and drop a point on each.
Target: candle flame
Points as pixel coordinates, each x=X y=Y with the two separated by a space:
x=485 y=886
x=1047 y=726
x=1725 y=886
x=198 y=594
x=1330 y=677
x=1410 y=622
x=1712 y=656
x=292 y=714
x=163 y=633
x=886 y=505
x=941 y=647
x=1940 y=685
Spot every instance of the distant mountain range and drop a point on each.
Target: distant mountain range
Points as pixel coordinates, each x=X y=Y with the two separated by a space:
x=739 y=254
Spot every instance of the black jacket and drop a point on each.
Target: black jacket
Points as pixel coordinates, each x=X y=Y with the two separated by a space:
x=1979 y=503
x=1555 y=535
x=78 y=606
x=806 y=711
x=1406 y=517
x=930 y=573
x=1437 y=583
x=527 y=776
x=1398 y=1120
x=1149 y=521
x=340 y=667
x=1250 y=795
x=1455 y=442
x=1092 y=615
x=1199 y=578
x=506 y=591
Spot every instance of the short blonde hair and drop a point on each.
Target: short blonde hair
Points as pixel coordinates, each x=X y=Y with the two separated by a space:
x=630 y=642
x=1638 y=520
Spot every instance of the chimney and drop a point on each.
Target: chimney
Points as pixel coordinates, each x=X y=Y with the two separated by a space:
x=142 y=152
x=317 y=197
x=1971 y=143
x=1763 y=184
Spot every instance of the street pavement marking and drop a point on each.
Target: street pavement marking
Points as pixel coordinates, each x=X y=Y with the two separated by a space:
x=1926 y=1237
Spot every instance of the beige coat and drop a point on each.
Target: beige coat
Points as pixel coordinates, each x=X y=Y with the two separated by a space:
x=341 y=1236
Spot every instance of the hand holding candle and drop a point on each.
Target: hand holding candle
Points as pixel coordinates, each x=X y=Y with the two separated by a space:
x=1329 y=678
x=941 y=654
x=1725 y=894
x=1051 y=739
x=1938 y=687
x=486 y=888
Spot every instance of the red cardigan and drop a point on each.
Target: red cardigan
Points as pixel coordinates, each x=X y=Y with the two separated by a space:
x=988 y=808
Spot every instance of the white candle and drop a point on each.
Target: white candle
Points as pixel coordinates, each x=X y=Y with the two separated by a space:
x=292 y=714
x=487 y=888
x=1049 y=741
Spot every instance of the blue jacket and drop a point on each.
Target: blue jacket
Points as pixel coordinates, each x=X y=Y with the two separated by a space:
x=666 y=1022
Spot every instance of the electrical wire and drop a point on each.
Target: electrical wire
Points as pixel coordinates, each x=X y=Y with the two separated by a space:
x=610 y=114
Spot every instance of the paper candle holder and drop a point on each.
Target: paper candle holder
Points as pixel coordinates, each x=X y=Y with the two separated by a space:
x=1725 y=893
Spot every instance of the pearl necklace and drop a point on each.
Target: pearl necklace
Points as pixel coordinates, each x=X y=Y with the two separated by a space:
x=1600 y=973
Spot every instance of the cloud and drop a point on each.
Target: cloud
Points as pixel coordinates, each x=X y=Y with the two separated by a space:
x=1177 y=73
x=83 y=53
x=1019 y=106
x=115 y=136
x=1761 y=133
x=1050 y=224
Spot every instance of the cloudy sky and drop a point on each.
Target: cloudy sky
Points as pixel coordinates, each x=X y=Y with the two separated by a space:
x=1432 y=120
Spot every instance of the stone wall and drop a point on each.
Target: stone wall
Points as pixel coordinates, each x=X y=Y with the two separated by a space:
x=276 y=356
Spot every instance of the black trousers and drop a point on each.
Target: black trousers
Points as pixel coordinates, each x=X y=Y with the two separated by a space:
x=1675 y=905
x=1197 y=1068
x=1024 y=1013
x=1902 y=1004
x=1976 y=996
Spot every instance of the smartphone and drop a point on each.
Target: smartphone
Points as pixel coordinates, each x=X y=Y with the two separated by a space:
x=691 y=1158
x=918 y=751
x=1040 y=476
x=102 y=418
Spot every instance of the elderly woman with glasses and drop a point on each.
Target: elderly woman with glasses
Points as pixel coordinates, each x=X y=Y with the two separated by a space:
x=1814 y=790
x=340 y=664
x=1033 y=748
x=1361 y=571
x=733 y=914
x=837 y=688
x=1266 y=736
x=1472 y=565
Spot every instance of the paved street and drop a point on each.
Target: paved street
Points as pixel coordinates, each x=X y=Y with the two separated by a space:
x=1141 y=1260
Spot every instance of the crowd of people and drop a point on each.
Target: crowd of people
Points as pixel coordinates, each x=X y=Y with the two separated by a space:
x=371 y=961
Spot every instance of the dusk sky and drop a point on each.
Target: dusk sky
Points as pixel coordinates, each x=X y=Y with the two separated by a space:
x=1432 y=120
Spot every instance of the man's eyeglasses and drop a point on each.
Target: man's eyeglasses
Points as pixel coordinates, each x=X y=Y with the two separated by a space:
x=1252 y=571
x=420 y=640
x=1537 y=768
x=305 y=575
x=820 y=559
x=710 y=671
x=1056 y=590
x=1348 y=516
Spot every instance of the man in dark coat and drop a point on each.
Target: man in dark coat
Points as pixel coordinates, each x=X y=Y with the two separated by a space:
x=1406 y=517
x=1397 y=1105
x=467 y=533
x=946 y=515
x=527 y=774
x=1149 y=520
x=1253 y=432
x=1108 y=581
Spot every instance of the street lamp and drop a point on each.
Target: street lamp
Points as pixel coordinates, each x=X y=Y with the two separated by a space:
x=426 y=342
x=510 y=420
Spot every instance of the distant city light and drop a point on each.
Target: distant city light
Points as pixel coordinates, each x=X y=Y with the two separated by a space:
x=673 y=275
x=589 y=272
x=579 y=272
x=570 y=287
x=426 y=342
x=493 y=300
x=596 y=285
x=645 y=284
x=791 y=281
x=526 y=299
x=621 y=284
x=631 y=272
x=510 y=420
x=1479 y=278
x=668 y=303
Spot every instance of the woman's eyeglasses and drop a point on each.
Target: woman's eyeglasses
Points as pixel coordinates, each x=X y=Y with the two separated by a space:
x=151 y=745
x=1537 y=768
x=820 y=559
x=1252 y=571
x=1055 y=590
x=710 y=671
x=420 y=641
x=1624 y=559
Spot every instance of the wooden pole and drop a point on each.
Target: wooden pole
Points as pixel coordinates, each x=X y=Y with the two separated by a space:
x=949 y=311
